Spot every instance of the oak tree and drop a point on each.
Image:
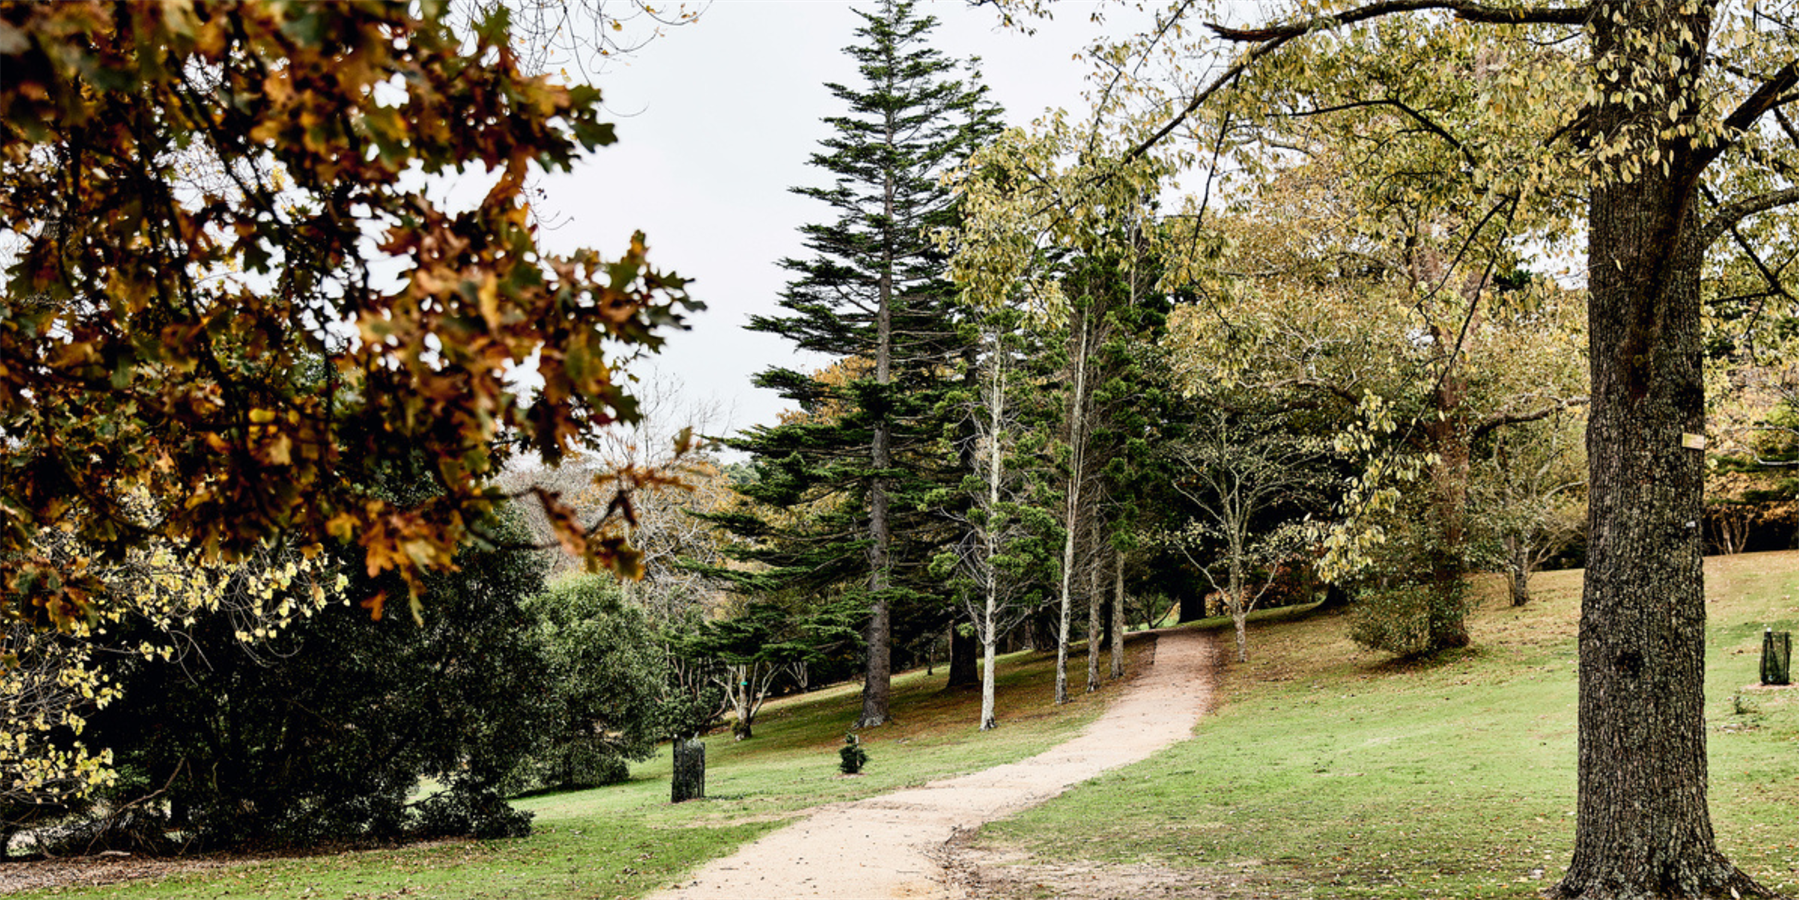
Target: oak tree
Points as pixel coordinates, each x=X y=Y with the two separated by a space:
x=234 y=288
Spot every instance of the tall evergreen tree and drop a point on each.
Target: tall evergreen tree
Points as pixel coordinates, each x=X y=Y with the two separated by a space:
x=867 y=450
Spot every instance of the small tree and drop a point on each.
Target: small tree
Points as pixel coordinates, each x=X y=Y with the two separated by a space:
x=1009 y=535
x=1529 y=495
x=605 y=686
x=747 y=653
x=1252 y=485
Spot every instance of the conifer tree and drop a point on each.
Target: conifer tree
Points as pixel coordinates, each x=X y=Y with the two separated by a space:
x=865 y=453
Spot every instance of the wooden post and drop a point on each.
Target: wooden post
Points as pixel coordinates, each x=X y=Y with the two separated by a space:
x=689 y=781
x=1777 y=657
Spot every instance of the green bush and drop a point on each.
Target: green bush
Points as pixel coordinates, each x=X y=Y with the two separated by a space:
x=604 y=691
x=323 y=733
x=851 y=757
x=1398 y=618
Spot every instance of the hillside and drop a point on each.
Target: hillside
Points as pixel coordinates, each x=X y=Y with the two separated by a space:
x=1332 y=772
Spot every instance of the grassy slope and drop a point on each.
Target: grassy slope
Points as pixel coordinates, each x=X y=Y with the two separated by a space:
x=626 y=840
x=1328 y=772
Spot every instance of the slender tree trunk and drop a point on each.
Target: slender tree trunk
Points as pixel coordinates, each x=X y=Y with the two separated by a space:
x=988 y=719
x=741 y=678
x=1118 y=625
x=1095 y=597
x=1643 y=829
x=1236 y=591
x=1077 y=440
x=877 y=685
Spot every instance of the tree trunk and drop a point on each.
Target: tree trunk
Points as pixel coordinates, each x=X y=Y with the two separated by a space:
x=1193 y=606
x=963 y=650
x=1642 y=828
x=1236 y=590
x=1077 y=424
x=1777 y=660
x=1518 y=569
x=988 y=719
x=877 y=684
x=1118 y=616
x=1095 y=597
x=740 y=688
x=1336 y=597
x=1449 y=498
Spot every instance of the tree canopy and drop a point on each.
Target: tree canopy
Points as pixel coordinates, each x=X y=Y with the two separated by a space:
x=229 y=285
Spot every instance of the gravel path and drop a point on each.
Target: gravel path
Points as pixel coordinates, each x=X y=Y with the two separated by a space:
x=889 y=846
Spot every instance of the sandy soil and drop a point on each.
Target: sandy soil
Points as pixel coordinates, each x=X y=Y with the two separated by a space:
x=903 y=844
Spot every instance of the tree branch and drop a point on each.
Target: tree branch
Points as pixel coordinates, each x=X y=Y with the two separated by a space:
x=1415 y=115
x=1729 y=214
x=1765 y=98
x=1467 y=12
x=1273 y=38
x=1537 y=415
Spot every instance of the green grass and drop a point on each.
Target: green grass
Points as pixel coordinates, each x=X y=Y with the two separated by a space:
x=627 y=840
x=1331 y=772
x=1325 y=772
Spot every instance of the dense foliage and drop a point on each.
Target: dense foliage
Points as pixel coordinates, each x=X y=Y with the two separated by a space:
x=323 y=732
x=206 y=201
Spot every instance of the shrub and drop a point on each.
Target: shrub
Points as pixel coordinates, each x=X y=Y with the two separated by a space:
x=1397 y=618
x=324 y=732
x=851 y=756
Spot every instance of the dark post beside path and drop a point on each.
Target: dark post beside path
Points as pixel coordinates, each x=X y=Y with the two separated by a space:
x=1777 y=657
x=689 y=781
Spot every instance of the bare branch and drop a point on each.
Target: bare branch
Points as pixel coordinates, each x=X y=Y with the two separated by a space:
x=1467 y=12
x=1503 y=419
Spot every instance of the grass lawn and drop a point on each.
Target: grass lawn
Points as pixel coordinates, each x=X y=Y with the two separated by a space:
x=1332 y=772
x=627 y=840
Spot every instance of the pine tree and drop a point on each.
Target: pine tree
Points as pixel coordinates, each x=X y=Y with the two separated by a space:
x=865 y=453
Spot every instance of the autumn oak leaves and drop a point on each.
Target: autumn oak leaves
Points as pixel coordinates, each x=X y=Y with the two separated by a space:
x=208 y=207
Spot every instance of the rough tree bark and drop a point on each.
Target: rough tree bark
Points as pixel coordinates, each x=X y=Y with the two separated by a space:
x=1642 y=828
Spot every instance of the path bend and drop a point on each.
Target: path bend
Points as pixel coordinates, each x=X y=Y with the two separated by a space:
x=887 y=846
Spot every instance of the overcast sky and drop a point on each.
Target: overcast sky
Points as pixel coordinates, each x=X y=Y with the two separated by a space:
x=716 y=120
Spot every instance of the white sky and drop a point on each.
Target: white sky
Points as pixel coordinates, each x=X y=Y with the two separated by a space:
x=716 y=120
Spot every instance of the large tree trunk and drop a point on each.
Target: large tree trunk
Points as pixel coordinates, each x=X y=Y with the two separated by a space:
x=1643 y=830
x=1193 y=605
x=1448 y=556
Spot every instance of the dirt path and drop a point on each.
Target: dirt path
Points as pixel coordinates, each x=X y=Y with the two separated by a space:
x=889 y=846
